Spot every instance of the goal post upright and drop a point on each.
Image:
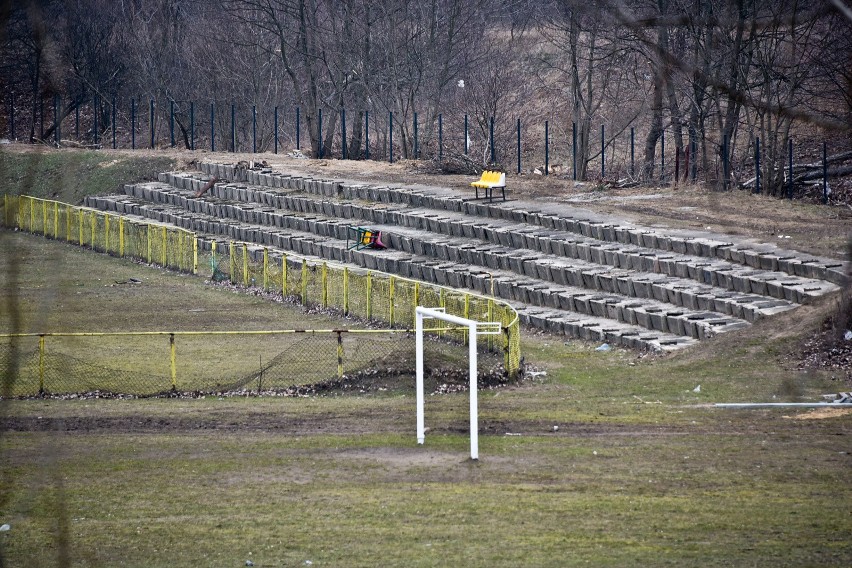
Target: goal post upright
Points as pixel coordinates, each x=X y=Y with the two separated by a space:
x=488 y=328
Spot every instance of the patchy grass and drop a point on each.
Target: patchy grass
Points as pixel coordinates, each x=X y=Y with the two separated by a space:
x=640 y=471
x=765 y=492
x=71 y=175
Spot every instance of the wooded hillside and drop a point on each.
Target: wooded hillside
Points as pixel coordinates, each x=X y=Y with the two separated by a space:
x=704 y=79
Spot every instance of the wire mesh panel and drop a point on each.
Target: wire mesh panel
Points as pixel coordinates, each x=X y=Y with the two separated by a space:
x=362 y=293
x=160 y=363
x=104 y=232
x=371 y=295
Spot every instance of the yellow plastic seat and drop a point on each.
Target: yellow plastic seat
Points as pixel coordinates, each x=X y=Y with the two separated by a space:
x=488 y=181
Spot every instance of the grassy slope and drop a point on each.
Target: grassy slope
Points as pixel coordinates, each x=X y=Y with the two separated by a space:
x=639 y=472
x=70 y=175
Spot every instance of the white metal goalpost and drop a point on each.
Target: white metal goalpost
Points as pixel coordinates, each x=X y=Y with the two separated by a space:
x=475 y=328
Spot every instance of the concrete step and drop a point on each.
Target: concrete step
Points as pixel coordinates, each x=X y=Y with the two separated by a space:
x=732 y=276
x=556 y=321
x=648 y=313
x=556 y=217
x=739 y=302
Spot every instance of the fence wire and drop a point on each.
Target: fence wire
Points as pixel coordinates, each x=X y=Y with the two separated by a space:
x=360 y=293
x=282 y=362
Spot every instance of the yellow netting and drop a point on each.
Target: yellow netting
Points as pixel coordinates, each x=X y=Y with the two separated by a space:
x=146 y=364
x=361 y=293
x=104 y=232
x=371 y=295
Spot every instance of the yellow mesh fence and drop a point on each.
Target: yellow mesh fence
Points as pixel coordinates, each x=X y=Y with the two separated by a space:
x=170 y=247
x=270 y=362
x=361 y=293
x=370 y=295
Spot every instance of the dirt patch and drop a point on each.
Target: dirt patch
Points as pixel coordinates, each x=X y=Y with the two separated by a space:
x=315 y=424
x=822 y=414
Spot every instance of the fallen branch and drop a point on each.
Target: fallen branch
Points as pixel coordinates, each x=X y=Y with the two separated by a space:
x=206 y=187
x=817 y=173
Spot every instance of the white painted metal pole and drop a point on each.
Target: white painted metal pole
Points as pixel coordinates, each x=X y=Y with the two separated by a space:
x=421 y=425
x=782 y=405
x=474 y=402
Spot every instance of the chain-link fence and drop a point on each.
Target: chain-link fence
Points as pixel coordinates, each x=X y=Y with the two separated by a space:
x=369 y=295
x=364 y=293
x=272 y=362
x=167 y=246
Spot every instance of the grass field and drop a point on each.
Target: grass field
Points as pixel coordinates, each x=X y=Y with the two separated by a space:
x=642 y=471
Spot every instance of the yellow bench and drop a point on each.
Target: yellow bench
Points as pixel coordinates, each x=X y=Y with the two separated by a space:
x=490 y=180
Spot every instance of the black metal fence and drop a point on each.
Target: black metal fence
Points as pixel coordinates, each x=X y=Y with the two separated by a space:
x=222 y=126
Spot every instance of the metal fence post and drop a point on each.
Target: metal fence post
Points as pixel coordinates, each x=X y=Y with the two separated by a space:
x=233 y=127
x=574 y=149
x=173 y=360
x=546 y=146
x=245 y=265
x=151 y=122
x=345 y=291
x=466 y=137
x=391 y=286
x=440 y=138
x=321 y=150
x=416 y=144
x=132 y=124
x=254 y=129
x=824 y=172
x=212 y=127
x=113 y=122
x=121 y=236
x=298 y=130
x=164 y=255
x=232 y=262
x=343 y=132
x=369 y=295
x=339 y=354
x=192 y=125
x=790 y=169
x=41 y=364
x=491 y=140
x=663 y=155
x=390 y=135
x=284 y=275
x=603 y=152
x=172 y=122
x=304 y=282
x=324 y=285
x=12 y=118
x=416 y=299
x=265 y=269
x=275 y=130
x=519 y=146
x=757 y=164
x=367 y=135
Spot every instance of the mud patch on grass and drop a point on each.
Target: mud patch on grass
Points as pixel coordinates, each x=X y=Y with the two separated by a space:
x=822 y=414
